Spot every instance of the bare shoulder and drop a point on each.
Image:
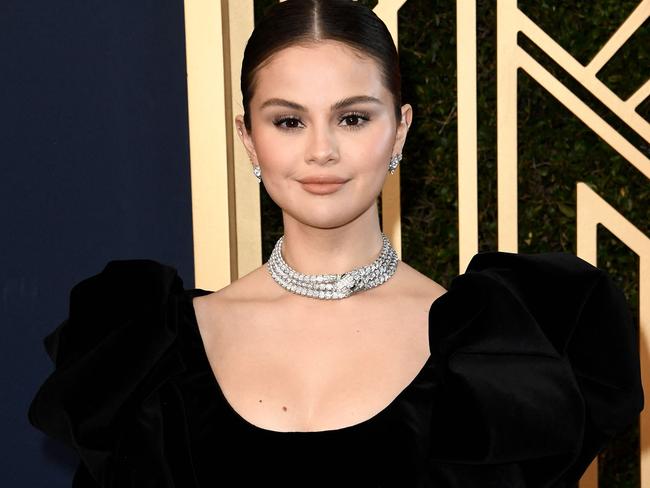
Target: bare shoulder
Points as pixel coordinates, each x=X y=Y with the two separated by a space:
x=412 y=282
x=250 y=289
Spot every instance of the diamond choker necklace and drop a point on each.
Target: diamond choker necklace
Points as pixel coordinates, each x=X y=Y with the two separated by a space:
x=333 y=286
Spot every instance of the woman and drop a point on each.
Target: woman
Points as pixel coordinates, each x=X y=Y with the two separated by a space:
x=335 y=363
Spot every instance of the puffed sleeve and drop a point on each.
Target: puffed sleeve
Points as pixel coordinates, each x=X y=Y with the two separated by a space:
x=539 y=368
x=112 y=355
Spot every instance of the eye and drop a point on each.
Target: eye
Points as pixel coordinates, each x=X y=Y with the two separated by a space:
x=354 y=119
x=291 y=121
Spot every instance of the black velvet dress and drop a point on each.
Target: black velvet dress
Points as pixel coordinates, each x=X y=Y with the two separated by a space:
x=534 y=366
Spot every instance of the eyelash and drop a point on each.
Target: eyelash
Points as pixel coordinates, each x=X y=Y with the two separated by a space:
x=361 y=115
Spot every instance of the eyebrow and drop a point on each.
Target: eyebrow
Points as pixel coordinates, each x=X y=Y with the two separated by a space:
x=280 y=102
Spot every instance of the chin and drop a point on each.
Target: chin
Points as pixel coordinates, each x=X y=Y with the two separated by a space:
x=325 y=223
x=323 y=219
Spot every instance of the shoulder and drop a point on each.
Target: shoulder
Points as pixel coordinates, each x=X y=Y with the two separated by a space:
x=117 y=346
x=254 y=287
x=549 y=284
x=545 y=263
x=122 y=293
x=132 y=273
x=128 y=279
x=245 y=299
x=414 y=283
x=531 y=346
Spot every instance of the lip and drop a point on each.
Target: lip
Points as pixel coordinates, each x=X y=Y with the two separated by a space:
x=322 y=185
x=322 y=179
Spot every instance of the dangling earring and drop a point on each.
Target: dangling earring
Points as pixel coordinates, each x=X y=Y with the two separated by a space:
x=394 y=161
x=258 y=173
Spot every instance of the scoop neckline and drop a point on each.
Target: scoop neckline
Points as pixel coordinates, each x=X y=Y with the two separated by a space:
x=195 y=292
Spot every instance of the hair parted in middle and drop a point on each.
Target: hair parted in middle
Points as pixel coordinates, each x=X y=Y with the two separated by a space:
x=305 y=22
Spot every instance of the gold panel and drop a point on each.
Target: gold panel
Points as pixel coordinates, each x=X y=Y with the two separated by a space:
x=391 y=214
x=208 y=144
x=510 y=57
x=467 y=132
x=225 y=194
x=593 y=210
x=246 y=230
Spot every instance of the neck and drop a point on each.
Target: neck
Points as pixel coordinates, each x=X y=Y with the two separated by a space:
x=313 y=250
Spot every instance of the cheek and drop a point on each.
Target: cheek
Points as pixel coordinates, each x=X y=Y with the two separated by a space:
x=372 y=150
x=272 y=152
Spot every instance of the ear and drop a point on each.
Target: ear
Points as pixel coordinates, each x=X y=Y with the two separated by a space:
x=245 y=138
x=403 y=128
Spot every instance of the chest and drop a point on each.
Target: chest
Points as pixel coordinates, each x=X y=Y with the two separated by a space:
x=286 y=369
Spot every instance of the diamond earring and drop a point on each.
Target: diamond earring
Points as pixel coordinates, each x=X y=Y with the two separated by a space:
x=394 y=161
x=258 y=173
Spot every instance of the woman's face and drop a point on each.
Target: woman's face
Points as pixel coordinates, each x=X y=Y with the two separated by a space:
x=321 y=112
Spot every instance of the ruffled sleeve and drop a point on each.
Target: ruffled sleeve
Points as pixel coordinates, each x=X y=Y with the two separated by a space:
x=539 y=368
x=113 y=355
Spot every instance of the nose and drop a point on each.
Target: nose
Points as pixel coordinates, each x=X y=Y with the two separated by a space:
x=322 y=146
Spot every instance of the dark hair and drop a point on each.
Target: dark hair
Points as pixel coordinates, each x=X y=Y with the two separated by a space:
x=304 y=22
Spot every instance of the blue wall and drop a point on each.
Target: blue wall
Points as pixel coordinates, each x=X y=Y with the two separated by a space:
x=93 y=166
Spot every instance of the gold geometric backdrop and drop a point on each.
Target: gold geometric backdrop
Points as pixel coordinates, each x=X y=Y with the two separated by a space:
x=226 y=199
